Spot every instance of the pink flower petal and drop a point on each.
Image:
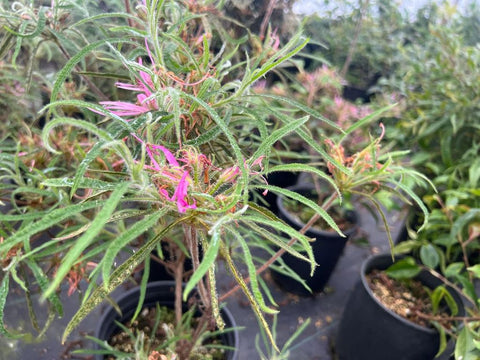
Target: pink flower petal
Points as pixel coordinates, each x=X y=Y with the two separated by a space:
x=181 y=193
x=168 y=155
x=121 y=108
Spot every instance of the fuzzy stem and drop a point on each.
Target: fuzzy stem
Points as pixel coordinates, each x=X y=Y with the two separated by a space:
x=178 y=275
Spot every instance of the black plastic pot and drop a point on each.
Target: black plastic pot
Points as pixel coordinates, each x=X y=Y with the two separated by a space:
x=327 y=249
x=158 y=272
x=163 y=293
x=369 y=330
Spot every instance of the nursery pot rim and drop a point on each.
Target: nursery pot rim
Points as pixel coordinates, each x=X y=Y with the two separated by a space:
x=324 y=233
x=109 y=310
x=363 y=272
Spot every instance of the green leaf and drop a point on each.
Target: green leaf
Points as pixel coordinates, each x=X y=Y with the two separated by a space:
x=429 y=256
x=221 y=123
x=208 y=260
x=464 y=345
x=443 y=339
x=83 y=183
x=49 y=220
x=405 y=268
x=276 y=135
x=298 y=167
x=454 y=269
x=86 y=239
x=143 y=288
x=441 y=293
x=463 y=220
x=117 y=278
x=74 y=60
x=367 y=119
x=302 y=199
x=405 y=247
x=475 y=270
x=252 y=274
x=62 y=121
x=82 y=168
x=104 y=16
x=42 y=281
x=294 y=234
x=312 y=112
x=3 y=299
x=42 y=20
x=270 y=64
x=125 y=237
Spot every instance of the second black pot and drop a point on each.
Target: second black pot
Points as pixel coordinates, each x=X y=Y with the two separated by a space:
x=163 y=293
x=369 y=330
x=327 y=249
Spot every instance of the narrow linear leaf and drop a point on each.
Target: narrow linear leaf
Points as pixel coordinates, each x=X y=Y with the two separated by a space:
x=290 y=232
x=221 y=123
x=313 y=113
x=117 y=278
x=74 y=60
x=42 y=20
x=49 y=220
x=84 y=183
x=85 y=240
x=252 y=274
x=143 y=288
x=417 y=201
x=367 y=119
x=42 y=281
x=127 y=236
x=63 y=121
x=251 y=299
x=276 y=135
x=302 y=199
x=82 y=167
x=306 y=168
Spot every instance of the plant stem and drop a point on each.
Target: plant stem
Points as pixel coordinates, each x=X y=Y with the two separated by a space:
x=178 y=275
x=447 y=318
x=452 y=285
x=266 y=18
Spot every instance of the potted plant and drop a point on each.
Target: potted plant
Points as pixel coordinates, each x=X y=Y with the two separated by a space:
x=387 y=318
x=366 y=177
x=160 y=336
x=448 y=245
x=178 y=161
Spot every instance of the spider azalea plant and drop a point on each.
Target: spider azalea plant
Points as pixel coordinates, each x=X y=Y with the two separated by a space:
x=173 y=161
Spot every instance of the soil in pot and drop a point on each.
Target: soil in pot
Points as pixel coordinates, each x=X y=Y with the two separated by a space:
x=369 y=329
x=162 y=294
x=157 y=325
x=407 y=298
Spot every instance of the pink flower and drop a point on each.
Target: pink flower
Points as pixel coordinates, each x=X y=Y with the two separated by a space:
x=145 y=101
x=229 y=174
x=171 y=174
x=180 y=195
